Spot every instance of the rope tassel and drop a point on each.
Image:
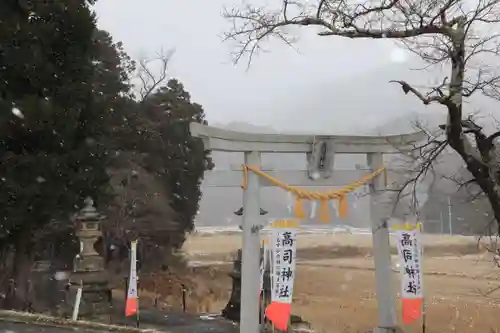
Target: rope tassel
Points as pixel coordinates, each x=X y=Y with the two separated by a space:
x=313 y=210
x=298 y=210
x=289 y=202
x=324 y=215
x=343 y=206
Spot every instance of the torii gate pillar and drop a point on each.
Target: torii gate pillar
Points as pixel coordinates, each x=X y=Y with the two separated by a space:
x=250 y=272
x=381 y=250
x=252 y=145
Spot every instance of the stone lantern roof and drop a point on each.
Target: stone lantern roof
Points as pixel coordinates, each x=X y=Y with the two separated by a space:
x=89 y=213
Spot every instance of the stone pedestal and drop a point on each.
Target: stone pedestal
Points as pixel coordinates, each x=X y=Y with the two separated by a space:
x=88 y=269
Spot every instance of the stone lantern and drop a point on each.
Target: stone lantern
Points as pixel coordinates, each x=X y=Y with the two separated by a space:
x=233 y=307
x=88 y=268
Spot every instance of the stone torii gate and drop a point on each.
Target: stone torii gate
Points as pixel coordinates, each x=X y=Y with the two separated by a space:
x=253 y=145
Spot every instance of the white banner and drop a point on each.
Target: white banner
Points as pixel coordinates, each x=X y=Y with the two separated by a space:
x=410 y=253
x=132 y=283
x=271 y=266
x=284 y=248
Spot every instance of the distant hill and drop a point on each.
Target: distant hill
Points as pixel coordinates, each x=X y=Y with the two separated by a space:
x=245 y=127
x=351 y=105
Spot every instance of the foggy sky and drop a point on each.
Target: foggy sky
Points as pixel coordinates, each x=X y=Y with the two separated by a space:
x=314 y=89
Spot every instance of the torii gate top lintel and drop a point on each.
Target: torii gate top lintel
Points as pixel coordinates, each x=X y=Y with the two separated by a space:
x=232 y=141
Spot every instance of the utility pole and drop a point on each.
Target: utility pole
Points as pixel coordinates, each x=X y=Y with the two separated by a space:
x=441 y=221
x=450 y=216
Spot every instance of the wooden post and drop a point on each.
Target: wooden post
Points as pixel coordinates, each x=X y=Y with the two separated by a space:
x=250 y=272
x=381 y=250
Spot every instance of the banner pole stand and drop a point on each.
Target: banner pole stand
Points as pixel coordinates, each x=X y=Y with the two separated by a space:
x=424 y=317
x=137 y=317
x=132 y=301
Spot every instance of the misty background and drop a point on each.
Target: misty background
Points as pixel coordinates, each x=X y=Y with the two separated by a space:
x=326 y=85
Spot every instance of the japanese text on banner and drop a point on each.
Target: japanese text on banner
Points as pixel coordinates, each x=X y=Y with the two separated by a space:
x=263 y=264
x=284 y=255
x=409 y=250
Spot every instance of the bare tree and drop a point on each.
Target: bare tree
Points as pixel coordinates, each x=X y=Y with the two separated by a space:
x=140 y=209
x=417 y=166
x=430 y=177
x=459 y=34
x=152 y=78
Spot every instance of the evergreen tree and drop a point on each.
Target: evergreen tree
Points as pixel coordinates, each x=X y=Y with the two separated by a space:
x=54 y=104
x=68 y=122
x=177 y=157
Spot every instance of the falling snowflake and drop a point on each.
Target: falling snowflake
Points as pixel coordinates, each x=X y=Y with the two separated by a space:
x=32 y=16
x=16 y=112
x=60 y=276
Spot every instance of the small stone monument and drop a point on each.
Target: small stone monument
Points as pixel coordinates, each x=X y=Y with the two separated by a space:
x=88 y=268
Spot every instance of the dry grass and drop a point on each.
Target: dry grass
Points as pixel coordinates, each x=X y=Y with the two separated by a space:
x=223 y=246
x=335 y=285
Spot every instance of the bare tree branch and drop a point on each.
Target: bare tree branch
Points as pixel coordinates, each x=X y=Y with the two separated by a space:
x=428 y=28
x=419 y=163
x=150 y=77
x=438 y=97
